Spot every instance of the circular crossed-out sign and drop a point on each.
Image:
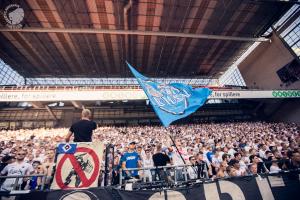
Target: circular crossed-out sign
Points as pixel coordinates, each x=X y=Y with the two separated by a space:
x=85 y=182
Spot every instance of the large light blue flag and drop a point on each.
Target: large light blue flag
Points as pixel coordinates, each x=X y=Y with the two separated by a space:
x=171 y=101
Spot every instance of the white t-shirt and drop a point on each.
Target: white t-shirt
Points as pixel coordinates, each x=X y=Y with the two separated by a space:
x=205 y=157
x=177 y=160
x=262 y=154
x=216 y=161
x=221 y=153
x=192 y=171
x=231 y=152
x=239 y=172
x=6 y=151
x=274 y=169
x=148 y=162
x=243 y=165
x=247 y=148
x=15 y=169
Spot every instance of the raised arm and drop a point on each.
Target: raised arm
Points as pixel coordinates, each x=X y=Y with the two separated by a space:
x=68 y=136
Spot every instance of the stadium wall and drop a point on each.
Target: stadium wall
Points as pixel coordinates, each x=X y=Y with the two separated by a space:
x=289 y=111
x=259 y=68
x=39 y=118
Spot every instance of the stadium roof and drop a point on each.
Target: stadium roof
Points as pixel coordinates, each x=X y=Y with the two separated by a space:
x=162 y=38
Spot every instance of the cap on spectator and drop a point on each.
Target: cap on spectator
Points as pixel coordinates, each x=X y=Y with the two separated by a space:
x=132 y=142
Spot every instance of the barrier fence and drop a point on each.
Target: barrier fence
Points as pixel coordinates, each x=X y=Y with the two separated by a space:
x=162 y=173
x=172 y=170
x=170 y=175
x=16 y=182
x=281 y=186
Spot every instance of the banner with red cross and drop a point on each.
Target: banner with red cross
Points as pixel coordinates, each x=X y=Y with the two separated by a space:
x=80 y=168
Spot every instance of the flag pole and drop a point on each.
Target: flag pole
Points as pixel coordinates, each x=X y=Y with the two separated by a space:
x=177 y=148
x=174 y=144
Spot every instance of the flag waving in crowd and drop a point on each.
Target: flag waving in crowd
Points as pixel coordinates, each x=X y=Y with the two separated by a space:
x=171 y=101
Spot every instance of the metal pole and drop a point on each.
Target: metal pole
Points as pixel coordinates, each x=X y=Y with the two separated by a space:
x=175 y=175
x=144 y=177
x=43 y=182
x=120 y=181
x=113 y=162
x=185 y=173
x=206 y=170
x=177 y=148
x=135 y=32
x=106 y=169
x=15 y=183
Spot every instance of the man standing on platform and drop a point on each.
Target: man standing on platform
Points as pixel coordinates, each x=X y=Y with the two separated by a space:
x=83 y=129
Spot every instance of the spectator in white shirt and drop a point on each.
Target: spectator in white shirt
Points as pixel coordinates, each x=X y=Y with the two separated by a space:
x=19 y=167
x=148 y=162
x=274 y=167
x=192 y=169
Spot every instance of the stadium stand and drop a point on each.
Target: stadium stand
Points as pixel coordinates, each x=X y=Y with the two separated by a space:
x=228 y=149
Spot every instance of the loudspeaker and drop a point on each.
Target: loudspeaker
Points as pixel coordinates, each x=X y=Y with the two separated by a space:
x=290 y=72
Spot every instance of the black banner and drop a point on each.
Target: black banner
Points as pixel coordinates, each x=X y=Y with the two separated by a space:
x=279 y=186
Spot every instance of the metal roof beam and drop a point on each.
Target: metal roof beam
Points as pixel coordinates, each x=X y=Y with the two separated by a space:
x=36 y=104
x=51 y=112
x=134 y=32
x=77 y=104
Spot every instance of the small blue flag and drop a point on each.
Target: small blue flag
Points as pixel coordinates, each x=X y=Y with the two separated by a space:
x=66 y=148
x=171 y=101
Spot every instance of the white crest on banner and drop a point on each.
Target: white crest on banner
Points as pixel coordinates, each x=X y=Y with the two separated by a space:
x=66 y=147
x=167 y=97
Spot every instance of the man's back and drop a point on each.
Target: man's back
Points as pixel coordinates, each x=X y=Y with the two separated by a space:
x=160 y=159
x=83 y=130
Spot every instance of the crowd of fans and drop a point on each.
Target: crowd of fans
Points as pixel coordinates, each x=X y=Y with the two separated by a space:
x=215 y=150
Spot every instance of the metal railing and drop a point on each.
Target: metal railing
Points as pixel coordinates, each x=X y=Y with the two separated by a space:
x=204 y=169
x=18 y=177
x=138 y=184
x=172 y=171
x=170 y=174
